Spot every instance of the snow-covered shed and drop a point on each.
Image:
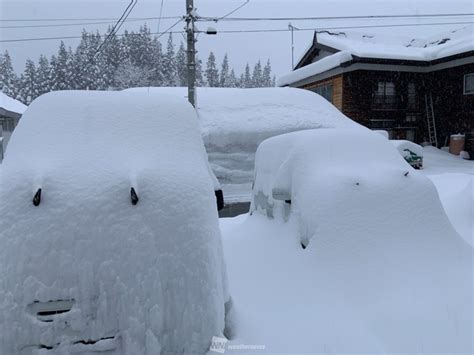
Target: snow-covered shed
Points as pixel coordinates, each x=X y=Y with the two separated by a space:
x=10 y=113
x=420 y=89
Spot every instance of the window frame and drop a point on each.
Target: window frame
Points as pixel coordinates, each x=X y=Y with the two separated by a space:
x=466 y=76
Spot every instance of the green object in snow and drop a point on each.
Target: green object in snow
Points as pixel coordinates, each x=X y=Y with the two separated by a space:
x=413 y=159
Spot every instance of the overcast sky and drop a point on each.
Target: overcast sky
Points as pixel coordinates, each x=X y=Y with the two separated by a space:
x=242 y=47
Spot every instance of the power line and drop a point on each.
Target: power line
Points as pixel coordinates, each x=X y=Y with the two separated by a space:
x=249 y=31
x=343 y=27
x=111 y=19
x=159 y=19
x=87 y=23
x=169 y=29
x=362 y=17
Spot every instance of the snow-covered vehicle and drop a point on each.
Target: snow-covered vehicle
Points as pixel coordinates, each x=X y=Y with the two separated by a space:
x=374 y=235
x=411 y=152
x=109 y=231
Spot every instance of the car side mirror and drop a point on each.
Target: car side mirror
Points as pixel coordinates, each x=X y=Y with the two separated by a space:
x=219 y=199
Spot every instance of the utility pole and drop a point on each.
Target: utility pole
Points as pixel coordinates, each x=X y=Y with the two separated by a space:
x=191 y=51
x=291 y=27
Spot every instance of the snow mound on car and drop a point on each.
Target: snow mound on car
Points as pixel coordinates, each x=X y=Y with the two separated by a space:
x=375 y=234
x=235 y=121
x=150 y=276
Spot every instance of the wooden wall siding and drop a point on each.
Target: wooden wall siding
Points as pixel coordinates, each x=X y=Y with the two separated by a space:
x=337 y=89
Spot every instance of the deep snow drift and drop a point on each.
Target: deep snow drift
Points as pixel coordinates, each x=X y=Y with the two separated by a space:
x=235 y=121
x=143 y=279
x=383 y=271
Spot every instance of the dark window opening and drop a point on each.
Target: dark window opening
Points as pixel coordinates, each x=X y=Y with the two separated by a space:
x=385 y=97
x=469 y=84
x=325 y=91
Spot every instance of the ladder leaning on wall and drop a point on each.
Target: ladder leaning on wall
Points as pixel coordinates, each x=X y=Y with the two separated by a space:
x=430 y=119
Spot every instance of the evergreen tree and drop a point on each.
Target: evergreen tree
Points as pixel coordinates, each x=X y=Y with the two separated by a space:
x=247 y=79
x=199 y=76
x=212 y=73
x=43 y=76
x=232 y=82
x=29 y=83
x=266 y=76
x=8 y=78
x=224 y=76
x=59 y=70
x=257 y=75
x=169 y=64
x=111 y=54
x=156 y=75
x=181 y=69
x=274 y=81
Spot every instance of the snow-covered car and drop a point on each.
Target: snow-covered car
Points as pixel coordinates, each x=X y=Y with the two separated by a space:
x=411 y=152
x=374 y=235
x=109 y=231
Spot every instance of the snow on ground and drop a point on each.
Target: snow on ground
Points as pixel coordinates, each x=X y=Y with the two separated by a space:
x=454 y=180
x=141 y=279
x=235 y=121
x=12 y=105
x=384 y=270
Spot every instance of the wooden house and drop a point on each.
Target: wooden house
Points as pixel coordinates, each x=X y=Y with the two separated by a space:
x=416 y=89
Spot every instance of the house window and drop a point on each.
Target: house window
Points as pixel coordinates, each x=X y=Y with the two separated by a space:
x=325 y=91
x=385 y=97
x=469 y=84
x=411 y=96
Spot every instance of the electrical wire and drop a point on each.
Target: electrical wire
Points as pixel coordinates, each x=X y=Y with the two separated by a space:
x=232 y=12
x=169 y=29
x=361 y=17
x=251 y=30
x=159 y=19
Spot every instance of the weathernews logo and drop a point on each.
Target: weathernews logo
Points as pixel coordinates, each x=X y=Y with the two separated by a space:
x=219 y=345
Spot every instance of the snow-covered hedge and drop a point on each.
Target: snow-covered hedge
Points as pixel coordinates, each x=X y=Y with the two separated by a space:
x=141 y=279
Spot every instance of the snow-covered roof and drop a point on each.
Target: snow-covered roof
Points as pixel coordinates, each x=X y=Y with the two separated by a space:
x=325 y=64
x=399 y=47
x=383 y=46
x=12 y=105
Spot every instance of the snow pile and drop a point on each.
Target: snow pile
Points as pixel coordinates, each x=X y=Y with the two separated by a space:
x=135 y=279
x=407 y=149
x=12 y=105
x=325 y=64
x=235 y=121
x=383 y=269
x=456 y=192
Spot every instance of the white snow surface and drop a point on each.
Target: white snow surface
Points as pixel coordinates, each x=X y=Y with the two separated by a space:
x=402 y=47
x=385 y=46
x=12 y=105
x=384 y=270
x=321 y=66
x=150 y=276
x=235 y=121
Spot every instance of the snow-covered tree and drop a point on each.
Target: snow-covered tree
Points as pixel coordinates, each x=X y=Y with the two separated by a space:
x=199 y=76
x=257 y=75
x=8 y=78
x=169 y=64
x=247 y=78
x=181 y=69
x=224 y=75
x=232 y=81
x=129 y=76
x=266 y=76
x=212 y=73
x=29 y=83
x=43 y=79
x=156 y=65
x=59 y=70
